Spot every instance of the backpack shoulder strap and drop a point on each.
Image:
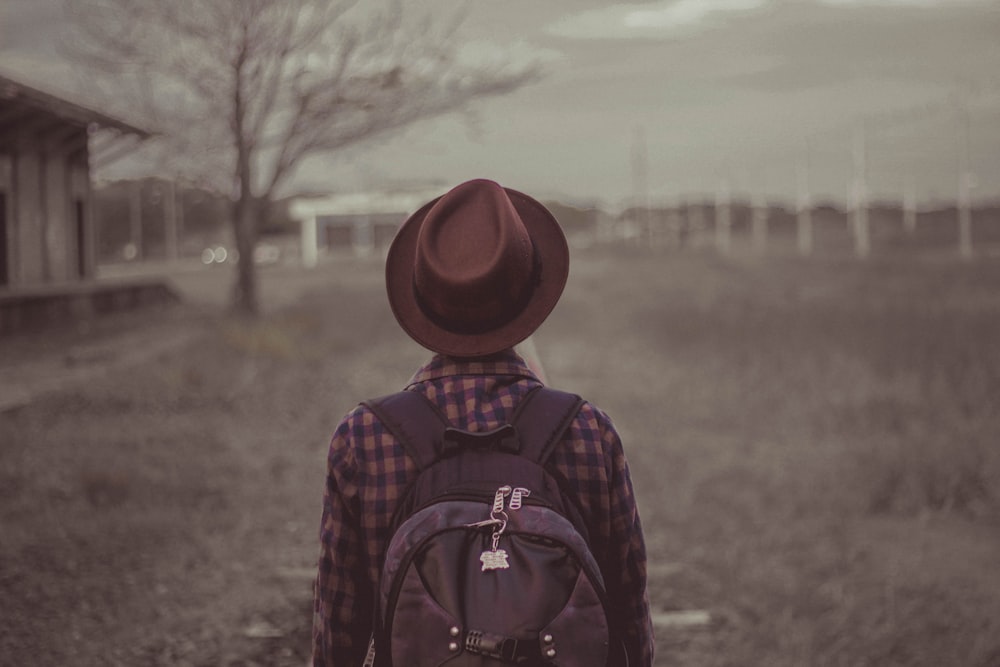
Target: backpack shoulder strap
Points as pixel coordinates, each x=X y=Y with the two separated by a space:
x=541 y=418
x=414 y=421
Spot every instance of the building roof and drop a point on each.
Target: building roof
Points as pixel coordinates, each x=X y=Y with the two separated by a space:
x=18 y=100
x=364 y=203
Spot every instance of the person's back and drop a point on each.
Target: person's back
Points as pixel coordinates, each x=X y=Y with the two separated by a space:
x=469 y=276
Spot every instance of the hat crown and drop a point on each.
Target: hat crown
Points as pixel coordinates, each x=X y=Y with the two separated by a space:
x=476 y=270
x=474 y=263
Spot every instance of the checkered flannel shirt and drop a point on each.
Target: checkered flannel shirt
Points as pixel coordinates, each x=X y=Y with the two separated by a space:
x=368 y=471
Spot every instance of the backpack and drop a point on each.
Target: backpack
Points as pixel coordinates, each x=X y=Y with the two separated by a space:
x=488 y=562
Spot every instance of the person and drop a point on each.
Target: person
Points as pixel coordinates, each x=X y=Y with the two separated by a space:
x=469 y=276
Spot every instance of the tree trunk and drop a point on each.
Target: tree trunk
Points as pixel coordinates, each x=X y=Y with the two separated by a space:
x=245 y=216
x=245 y=301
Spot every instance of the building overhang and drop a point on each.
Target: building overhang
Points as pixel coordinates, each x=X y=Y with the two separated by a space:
x=26 y=111
x=21 y=99
x=357 y=204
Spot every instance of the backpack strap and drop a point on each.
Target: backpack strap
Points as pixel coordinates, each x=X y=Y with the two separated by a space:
x=541 y=418
x=416 y=423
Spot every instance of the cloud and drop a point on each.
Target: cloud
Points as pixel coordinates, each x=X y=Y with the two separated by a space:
x=930 y=4
x=29 y=25
x=650 y=20
x=664 y=19
x=685 y=12
x=40 y=71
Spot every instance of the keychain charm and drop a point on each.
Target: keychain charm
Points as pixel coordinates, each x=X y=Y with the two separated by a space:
x=496 y=558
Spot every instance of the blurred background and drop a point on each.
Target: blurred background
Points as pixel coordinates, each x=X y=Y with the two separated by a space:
x=785 y=226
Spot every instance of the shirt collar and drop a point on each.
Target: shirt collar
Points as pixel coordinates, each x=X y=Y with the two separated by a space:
x=507 y=362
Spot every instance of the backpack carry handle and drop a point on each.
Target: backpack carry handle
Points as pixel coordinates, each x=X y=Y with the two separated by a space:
x=503 y=439
x=540 y=419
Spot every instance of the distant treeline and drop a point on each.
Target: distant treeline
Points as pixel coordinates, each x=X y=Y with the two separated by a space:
x=133 y=217
x=694 y=223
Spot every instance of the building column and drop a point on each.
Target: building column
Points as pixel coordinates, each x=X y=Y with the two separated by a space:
x=309 y=246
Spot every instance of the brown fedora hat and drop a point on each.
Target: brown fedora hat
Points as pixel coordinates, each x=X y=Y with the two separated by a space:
x=476 y=270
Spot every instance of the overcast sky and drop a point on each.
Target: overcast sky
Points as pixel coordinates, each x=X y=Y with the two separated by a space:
x=706 y=96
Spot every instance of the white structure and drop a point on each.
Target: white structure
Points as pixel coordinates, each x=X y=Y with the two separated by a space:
x=364 y=218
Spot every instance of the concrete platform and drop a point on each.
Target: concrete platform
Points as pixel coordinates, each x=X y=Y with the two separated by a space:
x=38 y=308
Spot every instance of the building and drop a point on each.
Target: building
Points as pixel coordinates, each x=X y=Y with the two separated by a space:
x=362 y=223
x=47 y=233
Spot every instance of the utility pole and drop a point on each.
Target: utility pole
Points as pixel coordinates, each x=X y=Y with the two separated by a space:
x=135 y=220
x=723 y=218
x=758 y=222
x=909 y=209
x=640 y=182
x=966 y=181
x=675 y=223
x=859 y=196
x=170 y=229
x=803 y=217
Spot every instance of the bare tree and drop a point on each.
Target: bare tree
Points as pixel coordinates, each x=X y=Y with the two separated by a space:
x=240 y=92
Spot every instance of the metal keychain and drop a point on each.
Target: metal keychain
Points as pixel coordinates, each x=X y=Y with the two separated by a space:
x=496 y=558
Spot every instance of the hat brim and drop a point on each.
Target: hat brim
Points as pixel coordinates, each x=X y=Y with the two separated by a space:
x=551 y=248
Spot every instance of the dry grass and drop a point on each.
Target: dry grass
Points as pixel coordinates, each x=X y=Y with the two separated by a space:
x=812 y=444
x=814 y=448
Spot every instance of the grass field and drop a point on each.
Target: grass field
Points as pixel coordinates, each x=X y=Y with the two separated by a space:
x=813 y=444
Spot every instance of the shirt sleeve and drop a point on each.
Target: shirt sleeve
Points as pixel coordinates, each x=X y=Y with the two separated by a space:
x=625 y=573
x=342 y=617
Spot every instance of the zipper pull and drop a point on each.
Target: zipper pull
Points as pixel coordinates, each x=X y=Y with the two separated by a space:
x=498 y=499
x=516 y=496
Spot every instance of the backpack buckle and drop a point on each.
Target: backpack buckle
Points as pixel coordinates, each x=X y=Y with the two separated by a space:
x=491 y=646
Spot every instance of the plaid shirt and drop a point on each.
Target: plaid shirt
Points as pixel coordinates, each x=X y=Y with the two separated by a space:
x=368 y=472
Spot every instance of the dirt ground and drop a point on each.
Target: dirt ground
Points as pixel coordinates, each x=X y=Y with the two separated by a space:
x=159 y=496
